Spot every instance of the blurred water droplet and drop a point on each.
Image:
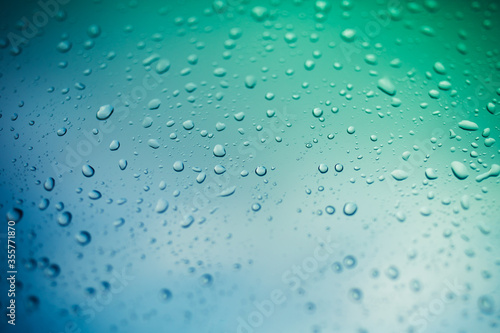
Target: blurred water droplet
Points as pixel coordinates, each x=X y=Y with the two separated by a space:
x=83 y=238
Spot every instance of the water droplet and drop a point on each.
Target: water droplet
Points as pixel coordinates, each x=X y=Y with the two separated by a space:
x=94 y=31
x=219 y=169
x=317 y=112
x=87 y=170
x=350 y=262
x=250 y=81
x=162 y=66
x=206 y=280
x=356 y=294
x=337 y=267
x=239 y=116
x=52 y=271
x=220 y=126
x=154 y=104
x=486 y=304
x=290 y=37
x=64 y=46
x=309 y=65
x=187 y=222
x=260 y=171
x=220 y=72
x=330 y=210
x=219 y=151
x=83 y=238
x=147 y=122
x=228 y=191
x=256 y=207
x=339 y=167
x=165 y=295
x=64 y=219
x=32 y=303
x=439 y=68
x=44 y=204
x=94 y=195
x=178 y=166
x=310 y=307
x=323 y=168
x=392 y=272
x=122 y=164
x=153 y=143
x=468 y=125
x=188 y=125
x=259 y=13
x=201 y=177
x=491 y=107
x=105 y=112
x=444 y=85
x=161 y=206
x=350 y=208
x=14 y=214
x=49 y=184
x=119 y=222
x=430 y=174
x=386 y=85
x=415 y=285
x=399 y=175
x=114 y=145
x=348 y=35
x=493 y=172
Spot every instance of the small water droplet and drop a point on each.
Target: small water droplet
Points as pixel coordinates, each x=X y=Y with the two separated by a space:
x=83 y=238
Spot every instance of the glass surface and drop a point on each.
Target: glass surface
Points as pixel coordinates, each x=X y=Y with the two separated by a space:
x=250 y=166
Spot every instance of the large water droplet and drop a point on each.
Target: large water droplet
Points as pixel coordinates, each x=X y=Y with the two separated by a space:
x=350 y=208
x=260 y=171
x=49 y=184
x=459 y=170
x=161 y=206
x=105 y=112
x=219 y=151
x=64 y=219
x=87 y=170
x=323 y=168
x=386 y=85
x=399 y=175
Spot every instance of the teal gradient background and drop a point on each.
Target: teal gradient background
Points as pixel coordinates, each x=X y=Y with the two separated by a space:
x=274 y=234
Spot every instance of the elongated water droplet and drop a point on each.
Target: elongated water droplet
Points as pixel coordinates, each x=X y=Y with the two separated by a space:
x=459 y=170
x=105 y=112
